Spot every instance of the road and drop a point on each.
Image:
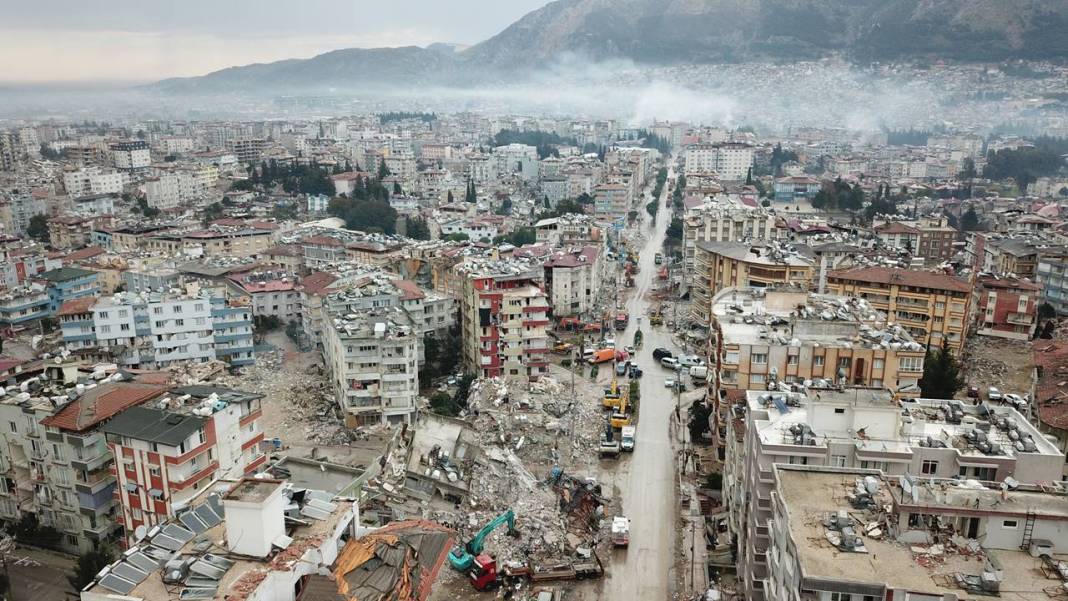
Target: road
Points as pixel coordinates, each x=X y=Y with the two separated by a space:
x=647 y=482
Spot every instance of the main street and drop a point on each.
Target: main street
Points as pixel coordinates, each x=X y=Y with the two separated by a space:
x=647 y=481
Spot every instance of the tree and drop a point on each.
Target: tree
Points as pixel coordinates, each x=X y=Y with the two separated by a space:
x=472 y=194
x=1046 y=311
x=383 y=171
x=967 y=169
x=564 y=207
x=372 y=216
x=444 y=404
x=969 y=221
x=397 y=189
x=457 y=237
x=698 y=424
x=941 y=374
x=765 y=203
x=89 y=565
x=211 y=213
x=417 y=229
x=505 y=208
x=520 y=236
x=147 y=211
x=38 y=228
x=749 y=177
x=674 y=232
x=284 y=212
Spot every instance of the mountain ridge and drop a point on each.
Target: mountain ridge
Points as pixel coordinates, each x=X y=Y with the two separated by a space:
x=665 y=32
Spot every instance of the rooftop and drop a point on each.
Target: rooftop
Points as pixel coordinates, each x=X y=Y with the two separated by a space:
x=903 y=277
x=154 y=425
x=811 y=497
x=757 y=254
x=94 y=405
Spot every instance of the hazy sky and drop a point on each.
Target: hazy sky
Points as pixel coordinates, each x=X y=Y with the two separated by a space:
x=144 y=40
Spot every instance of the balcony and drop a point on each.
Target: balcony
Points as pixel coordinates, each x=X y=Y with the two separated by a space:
x=96 y=482
x=1021 y=319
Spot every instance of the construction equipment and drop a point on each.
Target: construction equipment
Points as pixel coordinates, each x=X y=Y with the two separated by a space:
x=462 y=556
x=622 y=319
x=613 y=395
x=563 y=348
x=656 y=319
x=621 y=416
x=610 y=445
x=620 y=531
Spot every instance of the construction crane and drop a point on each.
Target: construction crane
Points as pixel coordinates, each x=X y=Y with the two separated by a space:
x=462 y=556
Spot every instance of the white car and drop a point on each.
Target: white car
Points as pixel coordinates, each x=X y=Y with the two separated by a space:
x=993 y=394
x=1016 y=401
x=669 y=362
x=690 y=360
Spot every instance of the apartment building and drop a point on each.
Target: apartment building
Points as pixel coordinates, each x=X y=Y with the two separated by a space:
x=573 y=280
x=796 y=189
x=1006 y=307
x=821 y=548
x=55 y=464
x=17 y=209
x=731 y=160
x=721 y=265
x=247 y=150
x=130 y=155
x=900 y=236
x=566 y=230
x=247 y=520
x=156 y=330
x=864 y=429
x=169 y=190
x=373 y=359
x=933 y=307
x=92 y=180
x=611 y=200
x=1052 y=276
x=168 y=451
x=269 y=293
x=723 y=220
x=23 y=305
x=67 y=283
x=503 y=319
x=763 y=338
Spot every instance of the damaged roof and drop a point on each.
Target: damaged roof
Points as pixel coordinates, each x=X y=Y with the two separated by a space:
x=398 y=562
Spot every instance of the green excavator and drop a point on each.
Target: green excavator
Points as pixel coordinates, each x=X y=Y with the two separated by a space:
x=462 y=556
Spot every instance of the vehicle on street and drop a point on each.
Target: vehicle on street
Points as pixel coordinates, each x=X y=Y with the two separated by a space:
x=698 y=374
x=634 y=371
x=660 y=353
x=674 y=384
x=622 y=320
x=690 y=360
x=602 y=356
x=993 y=394
x=620 y=531
x=628 y=436
x=669 y=362
x=621 y=368
x=630 y=350
x=973 y=392
x=658 y=259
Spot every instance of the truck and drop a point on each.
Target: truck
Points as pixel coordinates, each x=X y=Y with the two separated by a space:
x=622 y=319
x=699 y=374
x=658 y=258
x=484 y=575
x=602 y=356
x=627 y=438
x=620 y=531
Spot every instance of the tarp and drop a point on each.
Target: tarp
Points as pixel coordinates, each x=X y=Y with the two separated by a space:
x=398 y=562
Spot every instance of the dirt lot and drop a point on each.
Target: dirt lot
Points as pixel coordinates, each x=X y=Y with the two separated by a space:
x=1004 y=364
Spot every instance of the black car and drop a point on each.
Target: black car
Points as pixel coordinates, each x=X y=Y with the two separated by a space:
x=660 y=353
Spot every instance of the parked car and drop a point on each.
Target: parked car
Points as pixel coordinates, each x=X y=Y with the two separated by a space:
x=690 y=360
x=669 y=362
x=621 y=368
x=993 y=394
x=635 y=371
x=673 y=384
x=973 y=392
x=1016 y=401
x=660 y=353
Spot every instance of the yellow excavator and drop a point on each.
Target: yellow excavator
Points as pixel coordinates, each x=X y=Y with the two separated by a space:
x=612 y=395
x=621 y=415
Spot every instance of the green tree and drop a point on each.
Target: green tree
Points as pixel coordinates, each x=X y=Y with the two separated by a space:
x=38 y=228
x=505 y=208
x=969 y=221
x=967 y=170
x=89 y=565
x=397 y=189
x=472 y=194
x=699 y=424
x=284 y=212
x=147 y=211
x=457 y=237
x=383 y=171
x=520 y=236
x=211 y=213
x=941 y=374
x=417 y=228
x=563 y=208
x=372 y=216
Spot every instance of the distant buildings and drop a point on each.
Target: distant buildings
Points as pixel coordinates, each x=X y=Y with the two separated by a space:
x=1006 y=307
x=722 y=265
x=731 y=160
x=574 y=279
x=131 y=155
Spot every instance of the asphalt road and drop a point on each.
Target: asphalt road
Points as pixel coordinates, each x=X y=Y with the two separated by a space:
x=646 y=478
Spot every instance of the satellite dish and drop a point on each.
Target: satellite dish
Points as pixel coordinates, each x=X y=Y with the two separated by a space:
x=140 y=532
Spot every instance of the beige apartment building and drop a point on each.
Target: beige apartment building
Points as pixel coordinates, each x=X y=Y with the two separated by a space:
x=722 y=265
x=933 y=307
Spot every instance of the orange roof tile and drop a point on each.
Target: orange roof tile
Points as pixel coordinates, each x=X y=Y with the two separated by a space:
x=101 y=403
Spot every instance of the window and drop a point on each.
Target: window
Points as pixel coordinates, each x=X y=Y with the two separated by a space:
x=841 y=597
x=929 y=467
x=873 y=465
x=124 y=327
x=105 y=329
x=157 y=310
x=13 y=427
x=177 y=309
x=759 y=359
x=791 y=359
x=910 y=364
x=838 y=460
x=877 y=363
x=155 y=471
x=839 y=410
x=792 y=460
x=198 y=307
x=731 y=358
x=817 y=361
x=843 y=362
x=757 y=379
x=135 y=513
x=179 y=322
x=103 y=315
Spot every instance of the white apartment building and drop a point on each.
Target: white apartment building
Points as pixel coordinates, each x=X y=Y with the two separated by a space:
x=517 y=159
x=176 y=144
x=373 y=357
x=723 y=220
x=860 y=535
x=573 y=279
x=131 y=155
x=865 y=429
x=169 y=190
x=731 y=160
x=92 y=180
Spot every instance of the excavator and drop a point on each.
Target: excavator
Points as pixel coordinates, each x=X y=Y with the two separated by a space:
x=463 y=556
x=620 y=416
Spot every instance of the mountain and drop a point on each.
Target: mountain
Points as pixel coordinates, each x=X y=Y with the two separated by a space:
x=682 y=31
x=699 y=31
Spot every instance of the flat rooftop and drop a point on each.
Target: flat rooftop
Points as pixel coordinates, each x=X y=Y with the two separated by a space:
x=796 y=318
x=811 y=496
x=252 y=490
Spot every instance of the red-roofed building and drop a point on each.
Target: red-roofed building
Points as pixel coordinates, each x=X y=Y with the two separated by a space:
x=933 y=307
x=313 y=289
x=1006 y=307
x=269 y=293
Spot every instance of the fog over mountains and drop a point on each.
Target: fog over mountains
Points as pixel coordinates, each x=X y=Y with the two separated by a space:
x=678 y=32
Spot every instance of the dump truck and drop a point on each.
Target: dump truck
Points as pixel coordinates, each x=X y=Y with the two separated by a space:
x=622 y=319
x=484 y=575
